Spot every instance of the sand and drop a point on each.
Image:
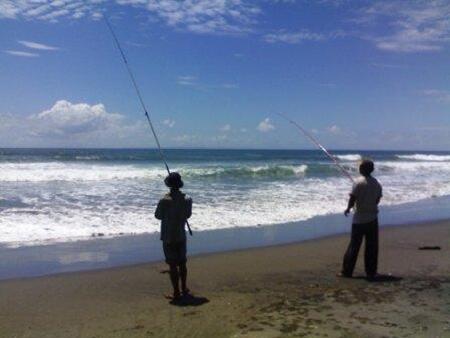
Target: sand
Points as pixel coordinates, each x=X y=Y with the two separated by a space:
x=281 y=291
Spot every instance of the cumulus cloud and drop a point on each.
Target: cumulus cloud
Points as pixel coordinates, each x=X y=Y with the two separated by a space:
x=67 y=124
x=66 y=118
x=265 y=126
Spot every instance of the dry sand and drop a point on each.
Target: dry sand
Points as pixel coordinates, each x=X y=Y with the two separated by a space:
x=282 y=291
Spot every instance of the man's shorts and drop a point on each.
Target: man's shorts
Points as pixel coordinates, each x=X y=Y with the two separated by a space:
x=175 y=252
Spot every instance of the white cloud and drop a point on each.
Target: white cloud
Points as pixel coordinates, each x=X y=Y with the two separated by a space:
x=386 y=65
x=293 y=37
x=202 y=16
x=67 y=124
x=169 y=123
x=265 y=125
x=198 y=16
x=50 y=10
x=66 y=118
x=334 y=129
x=187 y=80
x=21 y=53
x=185 y=138
x=439 y=95
x=193 y=81
x=410 y=26
x=230 y=86
x=35 y=45
x=225 y=128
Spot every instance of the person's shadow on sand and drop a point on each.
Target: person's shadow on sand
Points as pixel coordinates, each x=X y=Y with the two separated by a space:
x=189 y=300
x=381 y=278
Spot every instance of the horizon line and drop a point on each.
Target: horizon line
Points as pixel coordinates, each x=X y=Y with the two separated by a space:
x=212 y=148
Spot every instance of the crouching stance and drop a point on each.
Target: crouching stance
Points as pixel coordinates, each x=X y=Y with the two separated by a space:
x=173 y=210
x=365 y=196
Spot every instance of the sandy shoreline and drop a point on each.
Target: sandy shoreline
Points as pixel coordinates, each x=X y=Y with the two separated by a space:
x=287 y=290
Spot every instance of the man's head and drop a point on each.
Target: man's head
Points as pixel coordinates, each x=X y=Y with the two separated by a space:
x=173 y=181
x=366 y=167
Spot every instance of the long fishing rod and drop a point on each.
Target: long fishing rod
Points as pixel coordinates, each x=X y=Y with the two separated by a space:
x=144 y=108
x=321 y=147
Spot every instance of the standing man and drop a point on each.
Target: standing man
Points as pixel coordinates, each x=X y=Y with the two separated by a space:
x=173 y=210
x=365 y=196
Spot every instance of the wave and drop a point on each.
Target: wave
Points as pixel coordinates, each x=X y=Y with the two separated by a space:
x=87 y=158
x=425 y=157
x=419 y=167
x=349 y=157
x=72 y=172
x=58 y=171
x=275 y=171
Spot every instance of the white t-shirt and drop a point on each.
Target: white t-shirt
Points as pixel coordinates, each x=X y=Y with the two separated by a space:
x=367 y=192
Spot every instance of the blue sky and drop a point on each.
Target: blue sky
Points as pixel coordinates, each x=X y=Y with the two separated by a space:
x=357 y=74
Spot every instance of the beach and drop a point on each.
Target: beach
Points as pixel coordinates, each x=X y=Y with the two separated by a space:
x=279 y=291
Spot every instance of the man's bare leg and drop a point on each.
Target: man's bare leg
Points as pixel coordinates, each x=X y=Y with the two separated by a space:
x=174 y=278
x=183 y=274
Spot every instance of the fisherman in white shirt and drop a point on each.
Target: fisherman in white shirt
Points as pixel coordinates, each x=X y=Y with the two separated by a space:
x=365 y=197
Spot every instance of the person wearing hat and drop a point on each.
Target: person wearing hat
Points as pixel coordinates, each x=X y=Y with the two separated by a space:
x=365 y=197
x=173 y=210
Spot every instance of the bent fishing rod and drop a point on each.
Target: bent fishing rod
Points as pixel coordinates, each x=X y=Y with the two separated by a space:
x=321 y=147
x=141 y=100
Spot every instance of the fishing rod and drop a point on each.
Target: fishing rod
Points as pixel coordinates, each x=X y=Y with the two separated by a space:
x=144 y=108
x=321 y=147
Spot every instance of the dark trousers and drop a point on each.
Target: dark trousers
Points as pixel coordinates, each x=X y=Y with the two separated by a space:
x=359 y=231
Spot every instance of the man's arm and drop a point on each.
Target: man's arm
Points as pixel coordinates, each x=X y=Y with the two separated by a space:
x=159 y=210
x=350 y=205
x=188 y=208
x=381 y=195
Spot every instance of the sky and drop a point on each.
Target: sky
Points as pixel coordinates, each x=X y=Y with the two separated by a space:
x=214 y=73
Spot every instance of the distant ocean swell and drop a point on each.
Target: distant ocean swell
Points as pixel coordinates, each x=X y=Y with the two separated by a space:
x=63 y=195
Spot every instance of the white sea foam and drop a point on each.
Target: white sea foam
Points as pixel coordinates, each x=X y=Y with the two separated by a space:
x=60 y=171
x=349 y=157
x=415 y=167
x=425 y=157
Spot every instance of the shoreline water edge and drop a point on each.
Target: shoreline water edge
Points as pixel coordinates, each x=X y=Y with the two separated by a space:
x=103 y=252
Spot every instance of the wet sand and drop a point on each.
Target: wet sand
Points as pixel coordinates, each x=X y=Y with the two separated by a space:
x=281 y=291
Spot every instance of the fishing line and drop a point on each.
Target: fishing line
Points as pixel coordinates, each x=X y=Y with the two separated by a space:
x=321 y=147
x=144 y=108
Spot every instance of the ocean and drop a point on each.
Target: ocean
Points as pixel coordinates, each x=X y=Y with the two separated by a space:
x=59 y=195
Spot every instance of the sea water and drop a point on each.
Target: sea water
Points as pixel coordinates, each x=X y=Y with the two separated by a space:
x=59 y=195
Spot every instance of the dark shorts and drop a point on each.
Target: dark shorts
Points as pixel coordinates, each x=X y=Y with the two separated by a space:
x=175 y=253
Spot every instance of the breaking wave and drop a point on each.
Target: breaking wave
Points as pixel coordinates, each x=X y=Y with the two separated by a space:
x=425 y=157
x=349 y=157
x=58 y=171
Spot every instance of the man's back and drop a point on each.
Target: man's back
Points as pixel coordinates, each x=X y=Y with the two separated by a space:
x=367 y=192
x=173 y=210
